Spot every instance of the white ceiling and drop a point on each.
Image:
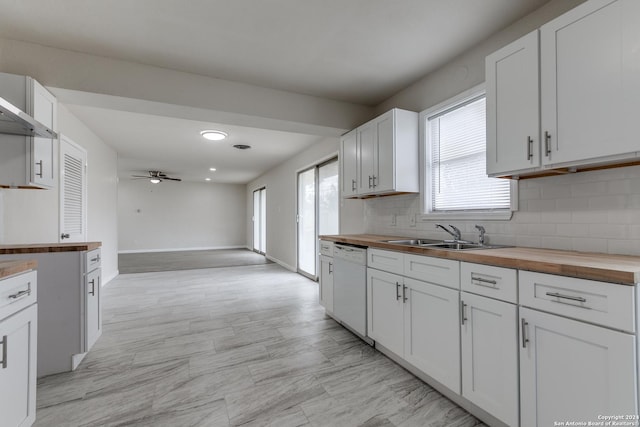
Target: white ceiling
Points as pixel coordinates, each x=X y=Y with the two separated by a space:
x=359 y=51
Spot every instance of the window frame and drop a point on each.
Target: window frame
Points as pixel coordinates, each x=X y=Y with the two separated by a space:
x=427 y=212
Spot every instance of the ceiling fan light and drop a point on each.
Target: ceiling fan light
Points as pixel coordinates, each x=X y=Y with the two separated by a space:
x=155 y=180
x=213 y=135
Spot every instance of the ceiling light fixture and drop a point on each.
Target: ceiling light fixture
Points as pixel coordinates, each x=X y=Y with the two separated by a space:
x=212 y=169
x=207 y=179
x=155 y=180
x=242 y=146
x=213 y=135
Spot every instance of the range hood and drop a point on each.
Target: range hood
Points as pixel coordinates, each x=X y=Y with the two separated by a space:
x=14 y=121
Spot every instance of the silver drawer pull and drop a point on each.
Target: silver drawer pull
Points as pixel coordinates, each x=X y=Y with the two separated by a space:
x=480 y=279
x=572 y=298
x=20 y=294
x=96 y=259
x=525 y=340
x=4 y=352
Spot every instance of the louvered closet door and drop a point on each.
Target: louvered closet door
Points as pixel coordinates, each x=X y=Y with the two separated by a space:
x=73 y=191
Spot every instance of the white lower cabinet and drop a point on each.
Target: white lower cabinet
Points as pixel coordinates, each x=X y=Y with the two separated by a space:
x=18 y=349
x=417 y=321
x=385 y=311
x=490 y=355
x=93 y=310
x=432 y=331
x=326 y=283
x=574 y=371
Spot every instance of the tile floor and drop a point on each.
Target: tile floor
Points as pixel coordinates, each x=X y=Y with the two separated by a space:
x=237 y=346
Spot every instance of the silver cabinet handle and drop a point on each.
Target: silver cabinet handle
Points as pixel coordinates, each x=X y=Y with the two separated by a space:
x=463 y=309
x=41 y=172
x=93 y=287
x=96 y=259
x=64 y=236
x=330 y=268
x=4 y=352
x=353 y=185
x=404 y=294
x=529 y=148
x=481 y=280
x=569 y=297
x=21 y=294
x=370 y=181
x=397 y=291
x=525 y=340
x=374 y=181
x=547 y=143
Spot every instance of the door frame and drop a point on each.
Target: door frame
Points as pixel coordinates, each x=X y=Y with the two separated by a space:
x=253 y=221
x=315 y=165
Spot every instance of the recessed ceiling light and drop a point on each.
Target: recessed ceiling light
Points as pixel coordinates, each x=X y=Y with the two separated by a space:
x=242 y=146
x=207 y=179
x=212 y=169
x=213 y=135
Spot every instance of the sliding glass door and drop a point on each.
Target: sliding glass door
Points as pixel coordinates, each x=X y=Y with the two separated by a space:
x=260 y=220
x=318 y=201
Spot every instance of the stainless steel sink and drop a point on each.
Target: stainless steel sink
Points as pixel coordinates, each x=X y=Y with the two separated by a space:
x=440 y=244
x=414 y=242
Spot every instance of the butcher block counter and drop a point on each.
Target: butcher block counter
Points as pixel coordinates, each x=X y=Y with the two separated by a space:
x=621 y=269
x=9 y=268
x=37 y=248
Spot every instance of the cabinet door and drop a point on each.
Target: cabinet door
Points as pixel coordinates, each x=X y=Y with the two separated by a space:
x=571 y=370
x=18 y=334
x=383 y=174
x=513 y=107
x=587 y=83
x=93 y=313
x=432 y=331
x=349 y=164
x=326 y=283
x=366 y=157
x=45 y=110
x=385 y=310
x=490 y=356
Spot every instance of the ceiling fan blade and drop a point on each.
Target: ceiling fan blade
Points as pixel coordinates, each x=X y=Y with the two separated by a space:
x=172 y=179
x=140 y=176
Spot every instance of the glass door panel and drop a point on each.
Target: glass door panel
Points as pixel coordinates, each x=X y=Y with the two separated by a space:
x=307 y=222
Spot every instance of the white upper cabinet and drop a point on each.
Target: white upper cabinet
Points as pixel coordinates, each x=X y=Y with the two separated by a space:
x=348 y=164
x=513 y=107
x=587 y=60
x=28 y=162
x=588 y=93
x=381 y=156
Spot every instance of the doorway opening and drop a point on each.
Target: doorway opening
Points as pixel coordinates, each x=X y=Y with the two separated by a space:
x=318 y=211
x=260 y=221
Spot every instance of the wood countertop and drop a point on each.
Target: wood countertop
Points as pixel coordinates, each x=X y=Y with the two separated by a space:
x=622 y=269
x=9 y=268
x=48 y=247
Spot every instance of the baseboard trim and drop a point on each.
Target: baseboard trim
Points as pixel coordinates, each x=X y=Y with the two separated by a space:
x=205 y=248
x=107 y=280
x=281 y=263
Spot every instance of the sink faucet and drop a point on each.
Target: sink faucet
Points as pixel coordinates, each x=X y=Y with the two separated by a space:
x=481 y=239
x=455 y=232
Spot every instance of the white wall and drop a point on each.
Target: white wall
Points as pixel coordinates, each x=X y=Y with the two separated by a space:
x=180 y=215
x=281 y=203
x=32 y=216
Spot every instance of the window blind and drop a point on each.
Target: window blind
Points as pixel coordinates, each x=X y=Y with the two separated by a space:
x=457 y=137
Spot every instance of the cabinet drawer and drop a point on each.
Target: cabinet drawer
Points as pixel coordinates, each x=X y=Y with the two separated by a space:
x=597 y=302
x=444 y=272
x=494 y=282
x=386 y=260
x=92 y=260
x=17 y=292
x=326 y=248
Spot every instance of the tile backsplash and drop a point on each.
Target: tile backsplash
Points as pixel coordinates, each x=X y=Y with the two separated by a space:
x=597 y=211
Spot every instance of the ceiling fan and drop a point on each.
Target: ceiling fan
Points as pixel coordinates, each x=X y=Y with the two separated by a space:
x=156 y=177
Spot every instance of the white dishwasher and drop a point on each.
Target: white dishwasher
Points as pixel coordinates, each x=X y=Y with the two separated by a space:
x=350 y=287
